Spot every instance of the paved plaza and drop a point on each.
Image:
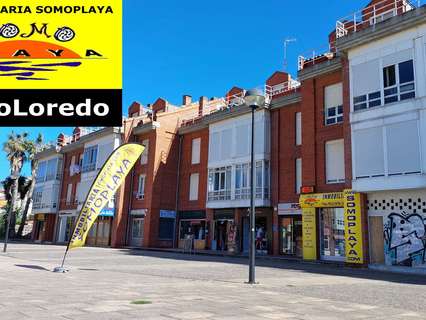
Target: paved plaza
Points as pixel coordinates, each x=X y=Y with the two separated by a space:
x=103 y=283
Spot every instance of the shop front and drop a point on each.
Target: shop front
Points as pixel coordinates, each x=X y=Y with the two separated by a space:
x=333 y=227
x=224 y=230
x=397 y=223
x=193 y=230
x=137 y=223
x=66 y=225
x=100 y=232
x=43 y=227
x=290 y=229
x=263 y=231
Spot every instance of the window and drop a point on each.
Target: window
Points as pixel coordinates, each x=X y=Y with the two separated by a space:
x=220 y=183
x=298 y=128
x=333 y=102
x=261 y=181
x=195 y=158
x=166 y=228
x=41 y=172
x=335 y=161
x=242 y=181
x=403 y=148
x=398 y=82
x=38 y=195
x=69 y=194
x=298 y=175
x=144 y=156
x=193 y=186
x=266 y=179
x=368 y=148
x=89 y=159
x=51 y=169
x=366 y=85
x=141 y=187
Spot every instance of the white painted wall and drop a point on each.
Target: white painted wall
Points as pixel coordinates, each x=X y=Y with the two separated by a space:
x=230 y=140
x=389 y=141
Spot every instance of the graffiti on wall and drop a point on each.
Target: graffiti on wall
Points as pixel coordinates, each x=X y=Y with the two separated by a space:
x=405 y=239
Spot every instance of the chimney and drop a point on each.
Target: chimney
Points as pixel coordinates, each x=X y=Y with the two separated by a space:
x=76 y=134
x=202 y=104
x=187 y=99
x=61 y=140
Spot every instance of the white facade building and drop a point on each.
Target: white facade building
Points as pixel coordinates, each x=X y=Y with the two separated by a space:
x=229 y=161
x=388 y=126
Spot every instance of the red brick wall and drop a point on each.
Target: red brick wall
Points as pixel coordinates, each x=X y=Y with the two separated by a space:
x=187 y=168
x=284 y=153
x=67 y=179
x=315 y=133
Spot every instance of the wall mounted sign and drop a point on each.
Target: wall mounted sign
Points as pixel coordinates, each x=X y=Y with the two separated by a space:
x=61 y=63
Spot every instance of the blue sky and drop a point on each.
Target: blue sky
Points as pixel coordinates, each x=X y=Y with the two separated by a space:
x=200 y=48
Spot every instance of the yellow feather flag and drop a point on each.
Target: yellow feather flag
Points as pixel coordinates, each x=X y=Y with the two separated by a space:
x=109 y=179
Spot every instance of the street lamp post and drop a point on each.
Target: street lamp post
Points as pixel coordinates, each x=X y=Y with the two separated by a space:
x=254 y=99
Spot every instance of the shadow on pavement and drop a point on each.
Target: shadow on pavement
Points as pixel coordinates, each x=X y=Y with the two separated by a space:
x=31 y=266
x=296 y=265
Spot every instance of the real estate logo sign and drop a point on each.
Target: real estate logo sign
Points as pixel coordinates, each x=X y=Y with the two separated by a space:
x=61 y=62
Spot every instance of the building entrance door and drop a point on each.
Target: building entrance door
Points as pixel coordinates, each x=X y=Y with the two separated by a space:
x=137 y=232
x=332 y=234
x=291 y=236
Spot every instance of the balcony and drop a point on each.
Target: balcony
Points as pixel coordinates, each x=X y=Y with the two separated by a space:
x=236 y=100
x=372 y=15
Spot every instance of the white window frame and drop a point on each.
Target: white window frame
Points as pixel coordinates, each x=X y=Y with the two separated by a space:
x=242 y=171
x=195 y=150
x=377 y=98
x=90 y=152
x=144 y=156
x=141 y=187
x=194 y=182
x=298 y=171
x=398 y=85
x=334 y=181
x=330 y=120
x=298 y=120
x=222 y=173
x=69 y=194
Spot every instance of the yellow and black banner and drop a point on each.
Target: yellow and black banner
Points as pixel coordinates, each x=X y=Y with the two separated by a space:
x=354 y=250
x=61 y=61
x=103 y=189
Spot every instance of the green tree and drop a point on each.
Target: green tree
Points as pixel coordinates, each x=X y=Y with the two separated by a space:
x=32 y=148
x=16 y=151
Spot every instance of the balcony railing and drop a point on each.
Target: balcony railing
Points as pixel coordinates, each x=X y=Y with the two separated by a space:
x=40 y=205
x=316 y=56
x=372 y=15
x=219 y=195
x=237 y=100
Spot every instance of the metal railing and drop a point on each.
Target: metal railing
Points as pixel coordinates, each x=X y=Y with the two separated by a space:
x=373 y=14
x=316 y=56
x=237 y=100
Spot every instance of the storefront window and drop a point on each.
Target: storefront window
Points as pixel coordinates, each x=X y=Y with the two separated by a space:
x=291 y=235
x=197 y=229
x=332 y=234
x=261 y=235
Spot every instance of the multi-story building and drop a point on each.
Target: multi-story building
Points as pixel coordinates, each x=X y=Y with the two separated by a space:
x=84 y=153
x=351 y=127
x=385 y=45
x=152 y=205
x=46 y=194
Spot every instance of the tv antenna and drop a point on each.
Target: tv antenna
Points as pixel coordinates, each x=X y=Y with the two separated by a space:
x=286 y=42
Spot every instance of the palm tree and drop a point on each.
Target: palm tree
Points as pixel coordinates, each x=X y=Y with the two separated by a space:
x=32 y=147
x=15 y=148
